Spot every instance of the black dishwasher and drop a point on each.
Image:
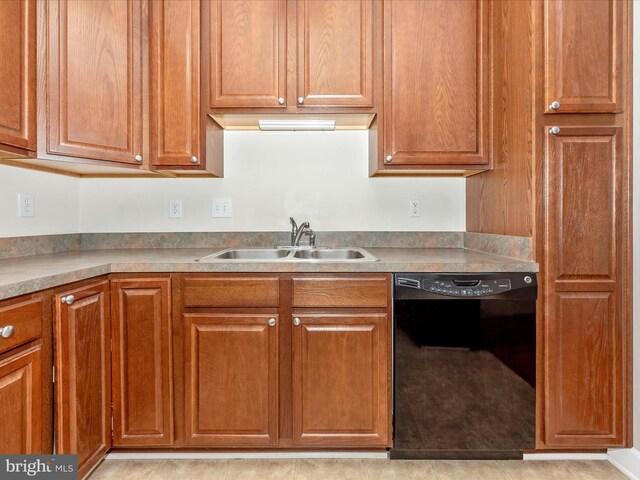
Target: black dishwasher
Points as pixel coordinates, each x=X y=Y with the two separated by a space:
x=464 y=365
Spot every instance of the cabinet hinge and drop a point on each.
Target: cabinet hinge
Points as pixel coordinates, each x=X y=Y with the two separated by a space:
x=112 y=422
x=53 y=374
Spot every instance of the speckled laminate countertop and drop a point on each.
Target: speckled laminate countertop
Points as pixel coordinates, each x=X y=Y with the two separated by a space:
x=22 y=275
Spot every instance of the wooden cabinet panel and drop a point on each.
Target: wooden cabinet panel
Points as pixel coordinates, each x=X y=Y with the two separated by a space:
x=340 y=380
x=436 y=82
x=585 y=404
x=231 y=291
x=26 y=319
x=83 y=375
x=141 y=362
x=247 y=53
x=21 y=402
x=340 y=292
x=18 y=73
x=583 y=54
x=94 y=68
x=231 y=379
x=335 y=53
x=175 y=82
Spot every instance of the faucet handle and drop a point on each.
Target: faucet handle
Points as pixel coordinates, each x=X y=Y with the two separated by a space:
x=294 y=225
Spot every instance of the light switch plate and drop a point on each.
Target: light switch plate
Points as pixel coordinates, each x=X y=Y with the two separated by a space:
x=25 y=205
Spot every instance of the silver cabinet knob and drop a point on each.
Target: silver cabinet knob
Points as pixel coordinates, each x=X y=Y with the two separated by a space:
x=296 y=321
x=7 y=331
x=194 y=159
x=554 y=105
x=69 y=299
x=388 y=159
x=272 y=322
x=554 y=130
x=281 y=101
x=300 y=100
x=138 y=158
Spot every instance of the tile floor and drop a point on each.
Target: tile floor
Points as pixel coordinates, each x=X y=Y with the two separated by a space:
x=343 y=469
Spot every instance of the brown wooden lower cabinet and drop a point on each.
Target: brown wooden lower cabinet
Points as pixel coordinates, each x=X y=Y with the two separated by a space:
x=340 y=379
x=21 y=402
x=141 y=362
x=584 y=303
x=83 y=374
x=231 y=379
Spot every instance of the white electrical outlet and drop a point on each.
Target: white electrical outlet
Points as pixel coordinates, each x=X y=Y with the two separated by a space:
x=221 y=208
x=415 y=208
x=25 y=205
x=175 y=208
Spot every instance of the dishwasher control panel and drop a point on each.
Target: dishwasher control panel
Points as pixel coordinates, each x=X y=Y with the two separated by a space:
x=466 y=288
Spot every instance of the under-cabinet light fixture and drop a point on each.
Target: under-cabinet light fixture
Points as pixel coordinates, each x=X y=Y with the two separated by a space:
x=287 y=125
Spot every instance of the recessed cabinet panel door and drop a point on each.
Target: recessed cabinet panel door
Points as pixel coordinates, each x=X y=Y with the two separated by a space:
x=247 y=53
x=141 y=358
x=95 y=79
x=18 y=73
x=340 y=380
x=231 y=379
x=335 y=53
x=436 y=81
x=83 y=374
x=175 y=82
x=583 y=57
x=21 y=403
x=584 y=289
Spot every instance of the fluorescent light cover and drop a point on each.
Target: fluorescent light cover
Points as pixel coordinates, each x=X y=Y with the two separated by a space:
x=281 y=125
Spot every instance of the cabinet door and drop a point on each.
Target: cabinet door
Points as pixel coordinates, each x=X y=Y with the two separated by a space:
x=18 y=73
x=341 y=380
x=335 y=53
x=83 y=374
x=21 y=403
x=175 y=82
x=247 y=53
x=583 y=56
x=94 y=62
x=436 y=82
x=584 y=311
x=141 y=359
x=231 y=379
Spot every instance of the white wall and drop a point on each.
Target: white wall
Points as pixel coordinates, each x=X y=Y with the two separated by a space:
x=321 y=177
x=55 y=200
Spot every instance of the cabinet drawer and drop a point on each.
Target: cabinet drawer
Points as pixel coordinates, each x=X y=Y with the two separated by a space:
x=231 y=292
x=26 y=319
x=340 y=292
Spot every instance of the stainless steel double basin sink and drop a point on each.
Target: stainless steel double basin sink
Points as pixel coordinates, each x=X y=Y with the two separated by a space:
x=284 y=254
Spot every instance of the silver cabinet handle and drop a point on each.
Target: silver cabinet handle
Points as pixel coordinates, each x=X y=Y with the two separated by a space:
x=554 y=130
x=296 y=321
x=554 y=105
x=69 y=299
x=272 y=322
x=138 y=158
x=7 y=331
x=388 y=159
x=300 y=100
x=194 y=159
x=281 y=101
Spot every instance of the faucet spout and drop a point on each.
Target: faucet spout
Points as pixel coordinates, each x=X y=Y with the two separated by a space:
x=302 y=229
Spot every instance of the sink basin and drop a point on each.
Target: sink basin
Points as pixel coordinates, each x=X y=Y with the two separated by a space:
x=281 y=254
x=330 y=254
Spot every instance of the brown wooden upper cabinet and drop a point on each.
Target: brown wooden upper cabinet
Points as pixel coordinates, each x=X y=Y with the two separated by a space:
x=436 y=85
x=583 y=55
x=94 y=66
x=18 y=76
x=290 y=54
x=586 y=310
x=176 y=135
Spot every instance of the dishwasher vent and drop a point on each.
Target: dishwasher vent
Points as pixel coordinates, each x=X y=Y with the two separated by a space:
x=407 y=282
